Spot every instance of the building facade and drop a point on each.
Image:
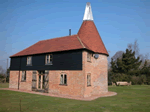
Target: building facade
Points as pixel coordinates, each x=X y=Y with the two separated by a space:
x=74 y=65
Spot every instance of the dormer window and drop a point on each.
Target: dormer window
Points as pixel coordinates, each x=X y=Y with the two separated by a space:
x=29 y=60
x=88 y=56
x=49 y=59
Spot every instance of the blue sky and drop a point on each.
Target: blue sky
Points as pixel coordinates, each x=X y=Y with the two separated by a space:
x=119 y=22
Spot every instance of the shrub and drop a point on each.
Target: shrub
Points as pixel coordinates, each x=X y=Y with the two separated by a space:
x=143 y=79
x=139 y=80
x=109 y=78
x=120 y=77
x=148 y=80
x=134 y=80
x=7 y=79
x=2 y=76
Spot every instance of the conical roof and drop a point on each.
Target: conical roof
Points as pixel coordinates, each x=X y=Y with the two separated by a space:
x=89 y=35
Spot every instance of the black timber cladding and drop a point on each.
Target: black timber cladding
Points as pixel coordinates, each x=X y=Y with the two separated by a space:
x=66 y=60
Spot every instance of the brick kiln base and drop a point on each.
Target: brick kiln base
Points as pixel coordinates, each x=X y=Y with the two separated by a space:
x=65 y=96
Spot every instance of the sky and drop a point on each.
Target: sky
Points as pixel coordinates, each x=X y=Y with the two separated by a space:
x=119 y=22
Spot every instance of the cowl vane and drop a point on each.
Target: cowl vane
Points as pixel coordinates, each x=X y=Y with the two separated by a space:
x=88 y=12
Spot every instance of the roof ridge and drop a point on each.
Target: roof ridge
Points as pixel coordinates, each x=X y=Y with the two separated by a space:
x=80 y=42
x=59 y=37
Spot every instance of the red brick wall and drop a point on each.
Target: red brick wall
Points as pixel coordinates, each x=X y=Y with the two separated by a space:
x=76 y=79
x=75 y=83
x=23 y=85
x=13 y=79
x=98 y=70
x=27 y=85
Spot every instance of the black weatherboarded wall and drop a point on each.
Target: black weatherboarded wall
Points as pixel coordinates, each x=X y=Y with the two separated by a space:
x=67 y=60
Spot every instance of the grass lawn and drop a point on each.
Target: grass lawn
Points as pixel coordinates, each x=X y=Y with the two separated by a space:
x=129 y=99
x=4 y=85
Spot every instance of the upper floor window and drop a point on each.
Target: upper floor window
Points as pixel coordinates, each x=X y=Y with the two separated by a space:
x=63 y=79
x=23 y=76
x=49 y=59
x=29 y=60
x=89 y=56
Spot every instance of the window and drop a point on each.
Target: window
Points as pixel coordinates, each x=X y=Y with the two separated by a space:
x=29 y=60
x=49 y=59
x=23 y=76
x=89 y=57
x=63 y=79
x=88 y=79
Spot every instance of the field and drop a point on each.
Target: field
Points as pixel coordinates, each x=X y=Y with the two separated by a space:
x=4 y=85
x=135 y=98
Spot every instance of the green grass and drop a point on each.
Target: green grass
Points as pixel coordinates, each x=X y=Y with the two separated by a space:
x=129 y=99
x=4 y=85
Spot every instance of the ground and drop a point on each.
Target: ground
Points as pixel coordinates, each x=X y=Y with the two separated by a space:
x=129 y=99
x=4 y=85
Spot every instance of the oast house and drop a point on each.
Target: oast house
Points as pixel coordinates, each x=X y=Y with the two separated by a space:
x=74 y=65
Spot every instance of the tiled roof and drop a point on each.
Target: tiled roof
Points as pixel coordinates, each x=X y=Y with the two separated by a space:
x=89 y=35
x=87 y=38
x=52 y=45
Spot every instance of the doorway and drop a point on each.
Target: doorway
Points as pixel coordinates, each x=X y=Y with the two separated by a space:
x=43 y=81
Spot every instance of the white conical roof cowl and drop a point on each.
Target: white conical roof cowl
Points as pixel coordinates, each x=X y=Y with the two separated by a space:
x=88 y=12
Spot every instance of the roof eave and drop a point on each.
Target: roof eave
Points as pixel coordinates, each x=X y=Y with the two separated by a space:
x=44 y=53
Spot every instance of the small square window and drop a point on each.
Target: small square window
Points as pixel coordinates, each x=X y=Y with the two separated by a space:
x=88 y=57
x=23 y=76
x=88 y=79
x=29 y=60
x=63 y=79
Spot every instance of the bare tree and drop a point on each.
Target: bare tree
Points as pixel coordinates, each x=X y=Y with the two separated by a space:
x=2 y=71
x=117 y=55
x=142 y=57
x=146 y=56
x=108 y=58
x=134 y=47
x=130 y=46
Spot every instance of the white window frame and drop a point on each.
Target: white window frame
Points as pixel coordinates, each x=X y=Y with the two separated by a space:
x=49 y=59
x=89 y=55
x=89 y=79
x=24 y=76
x=29 y=60
x=62 y=79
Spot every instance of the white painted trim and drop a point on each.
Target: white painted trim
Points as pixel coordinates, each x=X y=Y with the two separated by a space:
x=88 y=12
